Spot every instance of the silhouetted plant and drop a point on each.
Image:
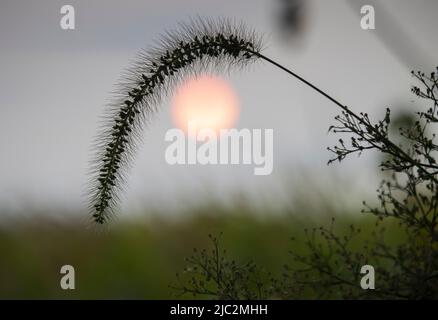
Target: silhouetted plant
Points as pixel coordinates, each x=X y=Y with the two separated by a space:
x=331 y=264
x=211 y=273
x=200 y=46
x=408 y=270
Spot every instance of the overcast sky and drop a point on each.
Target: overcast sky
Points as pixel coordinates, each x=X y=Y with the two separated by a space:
x=54 y=85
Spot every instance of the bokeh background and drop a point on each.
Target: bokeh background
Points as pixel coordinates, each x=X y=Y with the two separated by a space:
x=55 y=84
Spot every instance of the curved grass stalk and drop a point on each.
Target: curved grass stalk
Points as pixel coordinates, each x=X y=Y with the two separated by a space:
x=202 y=45
x=199 y=46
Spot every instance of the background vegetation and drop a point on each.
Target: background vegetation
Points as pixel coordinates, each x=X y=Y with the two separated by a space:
x=139 y=258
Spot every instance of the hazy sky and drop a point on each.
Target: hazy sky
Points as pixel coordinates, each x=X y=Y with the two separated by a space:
x=54 y=85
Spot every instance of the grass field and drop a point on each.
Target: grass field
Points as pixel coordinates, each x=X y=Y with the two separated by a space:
x=138 y=257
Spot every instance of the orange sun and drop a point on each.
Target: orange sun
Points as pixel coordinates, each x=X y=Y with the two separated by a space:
x=207 y=101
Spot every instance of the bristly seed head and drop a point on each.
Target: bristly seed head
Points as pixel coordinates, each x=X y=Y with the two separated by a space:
x=201 y=46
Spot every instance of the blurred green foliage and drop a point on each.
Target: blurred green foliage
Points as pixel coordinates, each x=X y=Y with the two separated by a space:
x=138 y=258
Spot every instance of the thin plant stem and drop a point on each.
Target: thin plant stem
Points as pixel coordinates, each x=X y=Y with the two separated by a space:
x=397 y=150
x=261 y=56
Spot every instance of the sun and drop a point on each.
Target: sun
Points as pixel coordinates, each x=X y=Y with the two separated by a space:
x=208 y=101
